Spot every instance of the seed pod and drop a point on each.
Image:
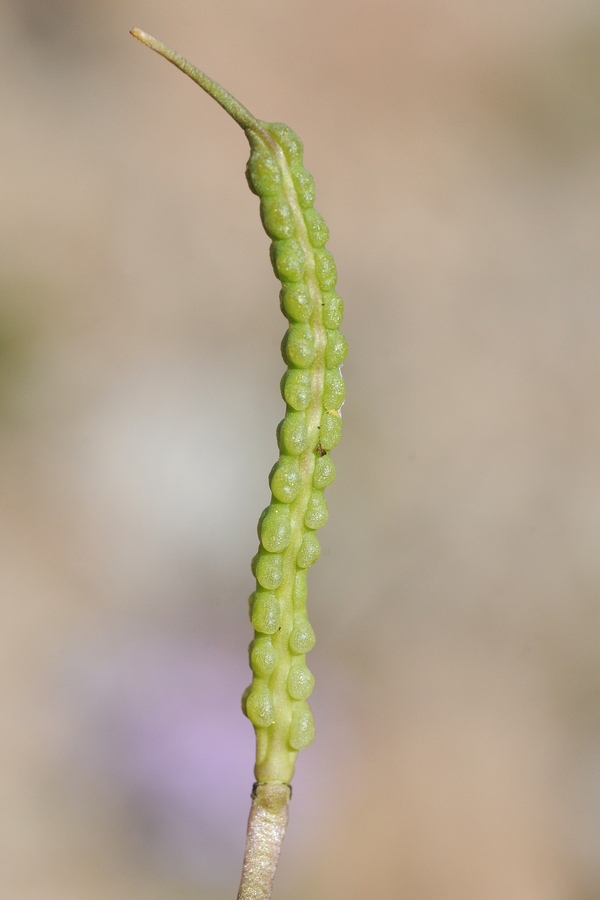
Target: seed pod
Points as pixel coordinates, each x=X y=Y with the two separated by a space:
x=313 y=349
x=313 y=390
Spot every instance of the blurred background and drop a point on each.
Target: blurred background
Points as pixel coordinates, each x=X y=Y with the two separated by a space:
x=456 y=148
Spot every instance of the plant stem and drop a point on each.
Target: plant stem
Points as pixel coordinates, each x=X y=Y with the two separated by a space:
x=236 y=110
x=264 y=837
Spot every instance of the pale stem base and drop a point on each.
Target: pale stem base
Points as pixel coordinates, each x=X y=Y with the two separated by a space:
x=266 y=830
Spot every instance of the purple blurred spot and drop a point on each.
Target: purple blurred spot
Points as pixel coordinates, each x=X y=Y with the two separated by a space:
x=163 y=723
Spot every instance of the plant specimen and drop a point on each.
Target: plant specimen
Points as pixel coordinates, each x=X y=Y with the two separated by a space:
x=313 y=348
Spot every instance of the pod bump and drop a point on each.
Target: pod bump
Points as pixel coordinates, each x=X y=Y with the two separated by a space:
x=275 y=528
x=302 y=729
x=268 y=569
x=293 y=434
x=302 y=638
x=298 y=346
x=324 y=472
x=333 y=310
x=263 y=657
x=296 y=302
x=331 y=430
x=296 y=388
x=316 y=514
x=301 y=682
x=309 y=551
x=287 y=257
x=334 y=391
x=266 y=612
x=285 y=479
x=259 y=705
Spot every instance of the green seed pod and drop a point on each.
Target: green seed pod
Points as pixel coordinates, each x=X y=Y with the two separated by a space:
x=335 y=390
x=275 y=531
x=296 y=302
x=296 y=388
x=263 y=657
x=336 y=350
x=302 y=638
x=316 y=514
x=333 y=310
x=293 y=434
x=309 y=552
x=318 y=232
x=298 y=347
x=324 y=473
x=277 y=216
x=313 y=390
x=285 y=479
x=325 y=268
x=300 y=682
x=331 y=430
x=302 y=731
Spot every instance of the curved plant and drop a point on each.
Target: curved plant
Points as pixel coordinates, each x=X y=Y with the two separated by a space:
x=313 y=348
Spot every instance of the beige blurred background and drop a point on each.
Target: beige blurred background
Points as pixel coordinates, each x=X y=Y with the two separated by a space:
x=456 y=150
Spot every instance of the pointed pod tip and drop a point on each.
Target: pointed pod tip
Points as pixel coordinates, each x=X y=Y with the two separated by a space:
x=239 y=113
x=142 y=36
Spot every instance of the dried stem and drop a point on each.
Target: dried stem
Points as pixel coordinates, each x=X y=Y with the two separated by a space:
x=266 y=830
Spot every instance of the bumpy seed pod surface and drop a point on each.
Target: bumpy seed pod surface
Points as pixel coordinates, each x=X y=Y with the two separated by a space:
x=313 y=390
